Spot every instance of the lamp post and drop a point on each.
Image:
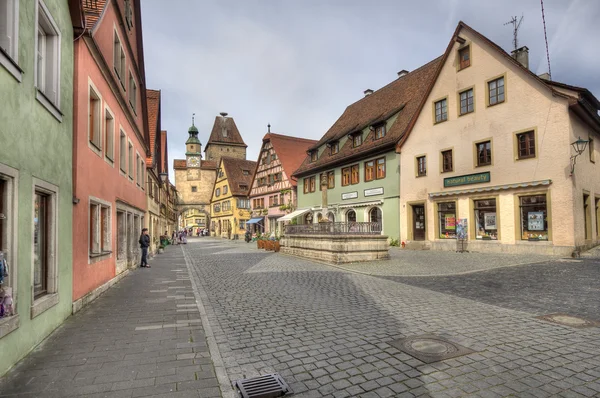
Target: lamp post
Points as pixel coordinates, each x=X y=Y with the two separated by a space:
x=578 y=146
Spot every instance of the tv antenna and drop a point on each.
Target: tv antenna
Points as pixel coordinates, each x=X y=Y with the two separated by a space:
x=516 y=25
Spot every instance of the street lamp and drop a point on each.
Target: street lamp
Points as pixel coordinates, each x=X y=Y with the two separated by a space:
x=164 y=177
x=579 y=146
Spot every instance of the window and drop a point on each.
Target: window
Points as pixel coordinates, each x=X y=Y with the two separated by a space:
x=243 y=224
x=218 y=192
x=225 y=188
x=132 y=93
x=421 y=166
x=119 y=59
x=47 y=56
x=274 y=200
x=276 y=177
x=441 y=111
x=351 y=216
x=243 y=187
x=496 y=91
x=94 y=119
x=526 y=145
x=273 y=157
x=534 y=217
x=109 y=134
x=357 y=140
x=484 y=153
x=309 y=184
x=486 y=223
x=264 y=159
x=130 y=160
x=138 y=174
x=380 y=168
x=8 y=220
x=591 y=150
x=258 y=203
x=142 y=171
x=380 y=131
x=370 y=170
x=122 y=153
x=355 y=175
x=345 y=176
x=41 y=243
x=100 y=228
x=466 y=102
x=9 y=34
x=217 y=207
x=151 y=187
x=587 y=217
x=243 y=203
x=334 y=148
x=447 y=220
x=464 y=56
x=330 y=180
x=313 y=156
x=447 y=163
x=375 y=215
x=128 y=14
x=226 y=205
x=246 y=172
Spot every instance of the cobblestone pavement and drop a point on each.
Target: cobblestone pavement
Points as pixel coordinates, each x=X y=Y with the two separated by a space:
x=327 y=331
x=143 y=337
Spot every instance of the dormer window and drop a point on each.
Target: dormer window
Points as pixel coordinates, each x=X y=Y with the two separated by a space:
x=334 y=148
x=246 y=172
x=243 y=187
x=464 y=57
x=380 y=131
x=357 y=140
x=313 y=156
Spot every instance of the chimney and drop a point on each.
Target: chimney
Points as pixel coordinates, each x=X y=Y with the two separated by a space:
x=223 y=114
x=403 y=72
x=522 y=56
x=368 y=92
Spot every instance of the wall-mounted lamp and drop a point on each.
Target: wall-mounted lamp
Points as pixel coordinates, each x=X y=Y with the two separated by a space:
x=579 y=146
x=163 y=177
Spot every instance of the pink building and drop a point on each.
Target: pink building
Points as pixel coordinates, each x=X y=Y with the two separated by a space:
x=273 y=192
x=110 y=146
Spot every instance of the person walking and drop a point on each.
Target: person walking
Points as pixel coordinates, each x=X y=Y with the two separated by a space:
x=144 y=244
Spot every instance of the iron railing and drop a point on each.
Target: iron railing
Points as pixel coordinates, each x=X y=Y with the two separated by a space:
x=335 y=228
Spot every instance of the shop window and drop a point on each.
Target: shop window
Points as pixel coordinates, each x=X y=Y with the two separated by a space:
x=345 y=176
x=370 y=170
x=7 y=239
x=355 y=179
x=447 y=161
x=100 y=228
x=351 y=216
x=109 y=135
x=441 y=111
x=334 y=148
x=486 y=219
x=380 y=168
x=526 y=145
x=534 y=217
x=464 y=57
x=94 y=119
x=421 y=166
x=484 y=153
x=466 y=102
x=380 y=131
x=496 y=91
x=447 y=220
x=45 y=271
x=357 y=140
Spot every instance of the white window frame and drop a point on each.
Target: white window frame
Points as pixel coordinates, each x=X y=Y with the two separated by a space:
x=96 y=144
x=109 y=136
x=132 y=92
x=122 y=151
x=101 y=241
x=11 y=202
x=130 y=169
x=9 y=57
x=51 y=298
x=138 y=171
x=48 y=89
x=119 y=57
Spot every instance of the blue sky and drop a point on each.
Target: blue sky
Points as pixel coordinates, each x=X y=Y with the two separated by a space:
x=298 y=64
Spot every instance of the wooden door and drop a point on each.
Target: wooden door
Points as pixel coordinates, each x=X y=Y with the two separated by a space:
x=418 y=222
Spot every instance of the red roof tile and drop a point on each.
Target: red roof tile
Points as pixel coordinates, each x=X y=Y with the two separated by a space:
x=153 y=101
x=179 y=164
x=208 y=164
x=225 y=131
x=164 y=153
x=291 y=151
x=239 y=172
x=92 y=10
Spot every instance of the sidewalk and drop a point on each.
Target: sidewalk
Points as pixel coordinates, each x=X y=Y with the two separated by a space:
x=142 y=338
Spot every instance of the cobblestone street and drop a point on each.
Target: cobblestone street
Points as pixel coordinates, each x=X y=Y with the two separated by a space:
x=327 y=331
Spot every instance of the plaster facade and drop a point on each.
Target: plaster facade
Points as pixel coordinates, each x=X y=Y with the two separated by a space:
x=528 y=106
x=35 y=137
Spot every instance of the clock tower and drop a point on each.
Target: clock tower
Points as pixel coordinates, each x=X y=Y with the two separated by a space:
x=193 y=146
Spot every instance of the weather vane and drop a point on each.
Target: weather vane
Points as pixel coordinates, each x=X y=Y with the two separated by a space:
x=193 y=114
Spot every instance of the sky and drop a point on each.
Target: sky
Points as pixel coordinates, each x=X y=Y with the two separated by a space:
x=298 y=64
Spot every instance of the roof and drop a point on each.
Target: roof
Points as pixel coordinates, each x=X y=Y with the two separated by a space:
x=164 y=153
x=153 y=101
x=403 y=96
x=232 y=136
x=234 y=169
x=291 y=151
x=179 y=164
x=92 y=11
x=204 y=164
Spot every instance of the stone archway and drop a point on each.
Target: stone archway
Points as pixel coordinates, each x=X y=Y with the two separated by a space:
x=203 y=210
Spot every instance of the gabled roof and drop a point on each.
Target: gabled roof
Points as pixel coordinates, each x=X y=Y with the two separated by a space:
x=232 y=136
x=402 y=96
x=92 y=11
x=291 y=151
x=153 y=101
x=234 y=169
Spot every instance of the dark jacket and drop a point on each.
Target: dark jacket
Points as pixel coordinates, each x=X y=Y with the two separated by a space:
x=144 y=241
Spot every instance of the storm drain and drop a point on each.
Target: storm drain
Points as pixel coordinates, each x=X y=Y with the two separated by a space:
x=267 y=386
x=569 y=320
x=430 y=348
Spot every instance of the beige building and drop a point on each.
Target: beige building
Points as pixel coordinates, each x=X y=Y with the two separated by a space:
x=195 y=177
x=492 y=147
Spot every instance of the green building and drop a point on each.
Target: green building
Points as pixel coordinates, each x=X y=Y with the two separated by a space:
x=36 y=133
x=355 y=164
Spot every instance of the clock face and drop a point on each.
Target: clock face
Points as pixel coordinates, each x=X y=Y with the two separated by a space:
x=193 y=161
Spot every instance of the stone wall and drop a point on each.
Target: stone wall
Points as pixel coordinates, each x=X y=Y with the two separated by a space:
x=203 y=180
x=337 y=249
x=215 y=151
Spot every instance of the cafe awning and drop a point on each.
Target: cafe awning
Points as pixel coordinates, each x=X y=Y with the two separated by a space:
x=491 y=188
x=294 y=214
x=254 y=220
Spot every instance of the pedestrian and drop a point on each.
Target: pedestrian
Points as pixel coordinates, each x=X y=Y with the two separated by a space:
x=144 y=244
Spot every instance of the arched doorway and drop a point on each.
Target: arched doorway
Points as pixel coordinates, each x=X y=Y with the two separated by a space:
x=375 y=215
x=350 y=216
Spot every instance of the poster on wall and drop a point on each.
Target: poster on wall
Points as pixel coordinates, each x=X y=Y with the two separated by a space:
x=450 y=221
x=461 y=228
x=489 y=220
x=535 y=221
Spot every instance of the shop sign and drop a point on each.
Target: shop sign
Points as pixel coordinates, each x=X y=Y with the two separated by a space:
x=535 y=221
x=374 y=191
x=450 y=221
x=467 y=179
x=350 y=195
x=461 y=229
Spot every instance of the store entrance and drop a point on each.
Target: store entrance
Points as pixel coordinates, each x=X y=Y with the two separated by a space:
x=418 y=222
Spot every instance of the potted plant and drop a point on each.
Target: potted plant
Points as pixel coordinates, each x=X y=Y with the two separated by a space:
x=276 y=245
x=269 y=245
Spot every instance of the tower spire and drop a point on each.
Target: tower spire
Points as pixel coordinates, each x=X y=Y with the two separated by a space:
x=193 y=114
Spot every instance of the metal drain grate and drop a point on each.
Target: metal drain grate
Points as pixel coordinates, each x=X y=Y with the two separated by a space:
x=267 y=386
